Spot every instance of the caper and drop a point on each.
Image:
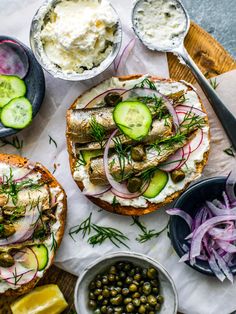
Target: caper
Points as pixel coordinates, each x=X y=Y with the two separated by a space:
x=105 y=280
x=154 y=283
x=112 y=98
x=97 y=311
x=118 y=289
x=129 y=280
x=160 y=299
x=158 y=307
x=111 y=277
x=127 y=300
x=105 y=302
x=92 y=304
x=1 y=218
x=98 y=284
x=151 y=312
x=98 y=291
x=177 y=175
x=122 y=275
x=152 y=273
x=100 y=297
x=119 y=284
x=6 y=260
x=138 y=153
x=92 y=285
x=134 y=184
x=125 y=291
x=144 y=273
x=129 y=308
x=120 y=266
x=113 y=293
x=132 y=272
x=7 y=231
x=133 y=288
x=118 y=310
x=116 y=300
x=142 y=309
x=92 y=296
x=127 y=267
x=143 y=299
x=136 y=295
x=136 y=302
x=147 y=288
x=104 y=309
x=112 y=270
x=137 y=277
x=110 y=310
x=155 y=290
x=152 y=300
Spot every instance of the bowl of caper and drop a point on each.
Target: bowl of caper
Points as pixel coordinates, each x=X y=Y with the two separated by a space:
x=125 y=282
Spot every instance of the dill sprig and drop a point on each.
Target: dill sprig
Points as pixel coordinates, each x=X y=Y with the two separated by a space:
x=214 y=83
x=122 y=154
x=169 y=142
x=146 y=234
x=101 y=234
x=51 y=140
x=80 y=161
x=146 y=83
x=54 y=245
x=15 y=142
x=97 y=132
x=230 y=151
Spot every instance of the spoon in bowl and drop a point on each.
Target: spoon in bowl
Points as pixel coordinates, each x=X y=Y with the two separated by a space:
x=162 y=26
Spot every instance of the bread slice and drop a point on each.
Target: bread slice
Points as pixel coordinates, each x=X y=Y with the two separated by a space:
x=46 y=176
x=130 y=210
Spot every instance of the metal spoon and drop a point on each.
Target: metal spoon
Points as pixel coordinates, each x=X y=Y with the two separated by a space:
x=225 y=116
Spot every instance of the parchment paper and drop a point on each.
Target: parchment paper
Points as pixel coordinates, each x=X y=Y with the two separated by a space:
x=198 y=294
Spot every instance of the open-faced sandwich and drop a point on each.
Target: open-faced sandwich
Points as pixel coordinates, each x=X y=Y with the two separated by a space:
x=32 y=218
x=136 y=142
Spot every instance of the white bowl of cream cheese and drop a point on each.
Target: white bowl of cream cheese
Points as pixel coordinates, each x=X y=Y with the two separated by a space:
x=75 y=39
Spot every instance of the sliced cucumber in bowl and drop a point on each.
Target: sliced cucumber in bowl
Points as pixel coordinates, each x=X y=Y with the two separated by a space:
x=17 y=114
x=10 y=87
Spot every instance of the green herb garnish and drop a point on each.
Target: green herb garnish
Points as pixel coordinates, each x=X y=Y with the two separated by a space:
x=98 y=131
x=114 y=201
x=146 y=83
x=54 y=245
x=101 y=234
x=214 y=83
x=51 y=140
x=146 y=234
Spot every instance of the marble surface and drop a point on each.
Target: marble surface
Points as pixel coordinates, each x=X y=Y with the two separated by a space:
x=217 y=17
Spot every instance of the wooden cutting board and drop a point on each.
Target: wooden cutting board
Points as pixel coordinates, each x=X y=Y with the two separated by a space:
x=213 y=60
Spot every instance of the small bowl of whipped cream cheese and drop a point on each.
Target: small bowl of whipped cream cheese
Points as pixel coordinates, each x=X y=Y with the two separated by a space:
x=75 y=40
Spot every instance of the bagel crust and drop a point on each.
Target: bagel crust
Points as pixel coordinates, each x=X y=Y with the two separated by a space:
x=16 y=161
x=131 y=210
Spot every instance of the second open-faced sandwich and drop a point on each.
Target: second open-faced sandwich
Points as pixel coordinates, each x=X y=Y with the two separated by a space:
x=32 y=218
x=136 y=142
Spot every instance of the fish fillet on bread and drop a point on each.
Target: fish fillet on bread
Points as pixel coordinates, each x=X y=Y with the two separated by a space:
x=79 y=138
x=32 y=212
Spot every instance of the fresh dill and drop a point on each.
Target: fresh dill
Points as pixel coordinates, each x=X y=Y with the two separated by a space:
x=100 y=233
x=15 y=142
x=229 y=151
x=181 y=99
x=146 y=234
x=114 y=201
x=214 y=83
x=146 y=83
x=97 y=132
x=51 y=140
x=191 y=122
x=80 y=161
x=122 y=154
x=168 y=142
x=54 y=245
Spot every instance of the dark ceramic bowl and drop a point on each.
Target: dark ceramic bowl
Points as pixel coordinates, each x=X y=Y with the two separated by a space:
x=35 y=84
x=190 y=201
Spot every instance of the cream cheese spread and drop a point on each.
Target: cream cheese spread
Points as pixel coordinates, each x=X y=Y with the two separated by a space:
x=160 y=23
x=190 y=167
x=79 y=35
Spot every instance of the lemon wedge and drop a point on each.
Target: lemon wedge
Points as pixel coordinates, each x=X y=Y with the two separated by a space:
x=42 y=300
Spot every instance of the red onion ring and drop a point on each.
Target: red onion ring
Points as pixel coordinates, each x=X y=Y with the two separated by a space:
x=97 y=190
x=124 y=55
x=173 y=162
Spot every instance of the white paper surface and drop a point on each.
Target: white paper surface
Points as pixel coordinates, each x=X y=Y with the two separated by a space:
x=198 y=294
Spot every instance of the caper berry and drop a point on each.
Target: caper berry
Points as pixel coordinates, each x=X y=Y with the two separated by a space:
x=98 y=291
x=129 y=280
x=112 y=98
x=111 y=277
x=100 y=298
x=113 y=293
x=129 y=308
x=104 y=309
x=116 y=300
x=98 y=284
x=105 y=302
x=137 y=277
x=105 y=293
x=97 y=311
x=118 y=310
x=152 y=273
x=127 y=300
x=125 y=291
x=105 y=280
x=112 y=270
x=143 y=299
x=135 y=295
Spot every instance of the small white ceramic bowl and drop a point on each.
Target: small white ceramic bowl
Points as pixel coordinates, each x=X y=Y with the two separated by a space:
x=100 y=265
x=37 y=47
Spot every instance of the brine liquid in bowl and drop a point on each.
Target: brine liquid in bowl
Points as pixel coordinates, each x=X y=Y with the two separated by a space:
x=160 y=24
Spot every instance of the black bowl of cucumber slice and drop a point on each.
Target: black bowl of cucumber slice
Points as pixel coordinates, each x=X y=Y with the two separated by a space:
x=22 y=86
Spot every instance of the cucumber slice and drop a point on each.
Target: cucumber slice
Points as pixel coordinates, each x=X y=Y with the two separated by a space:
x=10 y=87
x=133 y=118
x=157 y=184
x=41 y=253
x=88 y=154
x=17 y=113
